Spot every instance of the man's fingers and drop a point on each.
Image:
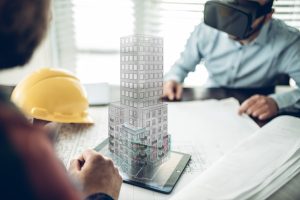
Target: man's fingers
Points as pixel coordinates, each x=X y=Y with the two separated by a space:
x=259 y=111
x=247 y=104
x=75 y=165
x=264 y=116
x=168 y=92
x=89 y=154
x=172 y=90
x=171 y=95
x=257 y=105
x=178 y=91
x=165 y=91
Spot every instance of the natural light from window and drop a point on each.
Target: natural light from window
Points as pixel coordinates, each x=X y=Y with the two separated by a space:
x=100 y=24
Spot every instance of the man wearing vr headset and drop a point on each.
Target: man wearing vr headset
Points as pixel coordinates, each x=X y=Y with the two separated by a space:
x=242 y=47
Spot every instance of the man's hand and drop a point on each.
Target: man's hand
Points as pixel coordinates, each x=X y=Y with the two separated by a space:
x=97 y=174
x=259 y=106
x=172 y=90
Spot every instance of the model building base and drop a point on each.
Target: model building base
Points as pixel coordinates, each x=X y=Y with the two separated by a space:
x=138 y=160
x=140 y=171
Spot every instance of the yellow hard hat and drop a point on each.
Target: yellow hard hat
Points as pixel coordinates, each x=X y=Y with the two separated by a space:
x=53 y=95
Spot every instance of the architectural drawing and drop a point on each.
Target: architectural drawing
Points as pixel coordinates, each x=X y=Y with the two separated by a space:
x=138 y=124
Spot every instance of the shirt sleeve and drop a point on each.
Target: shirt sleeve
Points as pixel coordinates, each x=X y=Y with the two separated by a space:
x=189 y=58
x=99 y=196
x=291 y=66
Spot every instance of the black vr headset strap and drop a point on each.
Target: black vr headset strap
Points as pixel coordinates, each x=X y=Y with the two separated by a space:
x=265 y=9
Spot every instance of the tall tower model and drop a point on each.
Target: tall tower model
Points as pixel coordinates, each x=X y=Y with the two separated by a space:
x=138 y=124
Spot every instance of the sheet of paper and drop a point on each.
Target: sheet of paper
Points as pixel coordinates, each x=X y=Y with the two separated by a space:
x=205 y=129
x=213 y=125
x=277 y=183
x=254 y=163
x=73 y=139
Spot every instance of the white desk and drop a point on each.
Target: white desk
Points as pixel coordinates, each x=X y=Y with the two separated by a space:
x=204 y=146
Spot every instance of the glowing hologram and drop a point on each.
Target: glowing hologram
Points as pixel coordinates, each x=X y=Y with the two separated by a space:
x=138 y=124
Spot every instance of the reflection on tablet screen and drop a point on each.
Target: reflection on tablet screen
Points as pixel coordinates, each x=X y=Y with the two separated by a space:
x=161 y=174
x=161 y=178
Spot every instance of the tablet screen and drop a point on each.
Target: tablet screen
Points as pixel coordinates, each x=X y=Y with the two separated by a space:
x=162 y=179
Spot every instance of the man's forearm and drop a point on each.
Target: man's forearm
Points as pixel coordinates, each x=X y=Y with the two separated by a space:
x=189 y=58
x=287 y=99
x=175 y=74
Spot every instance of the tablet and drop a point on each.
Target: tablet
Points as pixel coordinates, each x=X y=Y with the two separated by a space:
x=165 y=176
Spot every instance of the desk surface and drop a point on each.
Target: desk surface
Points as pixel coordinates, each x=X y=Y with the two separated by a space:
x=290 y=190
x=201 y=93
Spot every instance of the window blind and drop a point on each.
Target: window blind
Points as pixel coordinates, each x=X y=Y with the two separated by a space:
x=175 y=19
x=157 y=15
x=64 y=35
x=288 y=11
x=100 y=24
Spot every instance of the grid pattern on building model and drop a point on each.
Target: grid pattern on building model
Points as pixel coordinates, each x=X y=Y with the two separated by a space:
x=141 y=72
x=140 y=118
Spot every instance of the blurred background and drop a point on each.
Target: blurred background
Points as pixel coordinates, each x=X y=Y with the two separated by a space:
x=84 y=35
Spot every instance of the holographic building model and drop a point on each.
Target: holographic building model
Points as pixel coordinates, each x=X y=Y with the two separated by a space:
x=138 y=124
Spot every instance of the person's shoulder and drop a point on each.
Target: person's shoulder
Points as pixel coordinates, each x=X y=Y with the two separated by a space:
x=284 y=37
x=203 y=28
x=203 y=31
x=280 y=29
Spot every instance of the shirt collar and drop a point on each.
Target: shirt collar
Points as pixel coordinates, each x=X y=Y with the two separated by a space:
x=262 y=37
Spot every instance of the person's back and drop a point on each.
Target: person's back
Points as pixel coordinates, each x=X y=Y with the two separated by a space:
x=24 y=171
x=29 y=167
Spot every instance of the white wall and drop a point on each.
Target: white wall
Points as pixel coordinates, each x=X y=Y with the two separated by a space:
x=43 y=57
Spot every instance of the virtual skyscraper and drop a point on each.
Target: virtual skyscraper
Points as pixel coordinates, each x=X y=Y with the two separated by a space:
x=138 y=124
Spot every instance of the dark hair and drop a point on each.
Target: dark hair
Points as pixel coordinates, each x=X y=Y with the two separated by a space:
x=23 y=24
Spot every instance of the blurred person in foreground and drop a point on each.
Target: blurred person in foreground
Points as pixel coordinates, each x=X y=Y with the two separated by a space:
x=242 y=46
x=29 y=167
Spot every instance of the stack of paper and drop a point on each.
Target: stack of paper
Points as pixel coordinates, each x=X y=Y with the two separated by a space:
x=255 y=168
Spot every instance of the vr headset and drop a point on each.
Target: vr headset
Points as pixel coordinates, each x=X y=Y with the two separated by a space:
x=234 y=17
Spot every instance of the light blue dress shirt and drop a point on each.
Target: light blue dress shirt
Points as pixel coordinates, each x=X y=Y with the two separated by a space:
x=229 y=64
